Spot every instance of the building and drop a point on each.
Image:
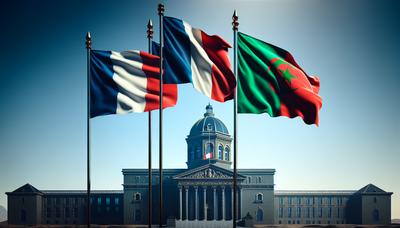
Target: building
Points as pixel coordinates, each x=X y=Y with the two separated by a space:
x=202 y=194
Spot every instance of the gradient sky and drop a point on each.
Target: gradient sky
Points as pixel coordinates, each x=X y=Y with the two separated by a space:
x=352 y=46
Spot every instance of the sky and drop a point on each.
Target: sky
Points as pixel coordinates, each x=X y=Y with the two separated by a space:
x=352 y=46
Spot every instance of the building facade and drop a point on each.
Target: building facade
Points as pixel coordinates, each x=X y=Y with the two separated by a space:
x=202 y=194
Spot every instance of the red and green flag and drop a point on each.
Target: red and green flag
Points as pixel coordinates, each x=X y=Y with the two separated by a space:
x=270 y=81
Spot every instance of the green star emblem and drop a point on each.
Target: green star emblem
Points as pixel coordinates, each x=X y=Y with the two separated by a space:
x=288 y=76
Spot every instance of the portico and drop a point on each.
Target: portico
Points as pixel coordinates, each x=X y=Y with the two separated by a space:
x=206 y=193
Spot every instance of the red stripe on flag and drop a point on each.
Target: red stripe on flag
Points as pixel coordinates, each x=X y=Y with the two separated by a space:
x=152 y=70
x=223 y=79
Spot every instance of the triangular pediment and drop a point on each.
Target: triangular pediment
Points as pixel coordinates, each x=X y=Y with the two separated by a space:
x=370 y=188
x=209 y=171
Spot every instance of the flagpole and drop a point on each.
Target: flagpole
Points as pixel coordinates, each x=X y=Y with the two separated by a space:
x=235 y=25
x=88 y=48
x=150 y=175
x=161 y=14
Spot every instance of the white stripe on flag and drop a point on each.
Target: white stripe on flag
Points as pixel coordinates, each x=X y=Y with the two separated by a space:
x=131 y=81
x=200 y=63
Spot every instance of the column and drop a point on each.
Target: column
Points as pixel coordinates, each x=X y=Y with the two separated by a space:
x=205 y=202
x=215 y=203
x=187 y=202
x=237 y=203
x=232 y=202
x=196 y=198
x=223 y=202
x=241 y=203
x=180 y=202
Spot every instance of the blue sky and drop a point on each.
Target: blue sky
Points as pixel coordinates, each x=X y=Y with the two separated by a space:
x=351 y=45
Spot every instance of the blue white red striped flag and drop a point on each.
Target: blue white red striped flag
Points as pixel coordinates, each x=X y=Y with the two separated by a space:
x=192 y=56
x=123 y=82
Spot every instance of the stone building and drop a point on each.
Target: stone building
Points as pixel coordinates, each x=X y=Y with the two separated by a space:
x=202 y=195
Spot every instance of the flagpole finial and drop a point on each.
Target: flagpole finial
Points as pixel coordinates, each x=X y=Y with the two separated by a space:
x=88 y=41
x=150 y=29
x=161 y=9
x=235 y=22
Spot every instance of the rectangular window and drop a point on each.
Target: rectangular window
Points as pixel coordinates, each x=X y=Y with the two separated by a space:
x=338 y=212
x=107 y=200
x=116 y=201
x=320 y=200
x=308 y=212
x=308 y=200
x=313 y=212
x=320 y=212
x=99 y=201
x=298 y=212
x=330 y=212
x=75 y=212
x=58 y=201
x=280 y=212
x=281 y=200
x=289 y=212
x=330 y=200
x=66 y=201
x=67 y=213
x=58 y=212
x=48 y=212
x=299 y=200
x=289 y=200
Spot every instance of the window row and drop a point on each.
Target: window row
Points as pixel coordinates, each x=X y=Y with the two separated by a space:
x=195 y=153
x=309 y=200
x=310 y=212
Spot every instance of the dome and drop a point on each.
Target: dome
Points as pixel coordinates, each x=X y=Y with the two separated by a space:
x=208 y=124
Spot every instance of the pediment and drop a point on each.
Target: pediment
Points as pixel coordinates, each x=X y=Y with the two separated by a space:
x=208 y=171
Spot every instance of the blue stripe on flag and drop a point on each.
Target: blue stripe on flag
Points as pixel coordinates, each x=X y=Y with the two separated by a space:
x=103 y=89
x=177 y=69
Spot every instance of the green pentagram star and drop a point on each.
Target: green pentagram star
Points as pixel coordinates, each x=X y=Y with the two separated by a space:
x=287 y=76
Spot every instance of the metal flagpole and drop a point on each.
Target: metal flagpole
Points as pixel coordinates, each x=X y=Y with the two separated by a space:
x=161 y=14
x=235 y=25
x=88 y=48
x=149 y=203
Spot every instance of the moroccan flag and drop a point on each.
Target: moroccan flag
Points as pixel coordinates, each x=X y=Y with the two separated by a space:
x=270 y=81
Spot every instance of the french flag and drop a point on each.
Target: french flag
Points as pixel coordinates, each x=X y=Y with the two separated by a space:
x=192 y=56
x=124 y=82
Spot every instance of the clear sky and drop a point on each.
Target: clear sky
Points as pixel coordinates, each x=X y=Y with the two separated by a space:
x=352 y=46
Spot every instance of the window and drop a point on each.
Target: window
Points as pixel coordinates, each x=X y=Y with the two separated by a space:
x=320 y=212
x=67 y=212
x=220 y=151
x=280 y=212
x=280 y=200
x=23 y=215
x=289 y=212
x=48 y=212
x=330 y=200
x=259 y=197
x=210 y=148
x=375 y=215
x=338 y=212
x=259 y=180
x=58 y=212
x=289 y=200
x=374 y=199
x=99 y=201
x=320 y=200
x=75 y=212
x=23 y=200
x=116 y=201
x=67 y=201
x=249 y=179
x=107 y=200
x=299 y=200
x=259 y=215
x=298 y=212
x=308 y=212
x=226 y=155
x=138 y=196
x=308 y=200
x=58 y=201
x=330 y=212
x=137 y=215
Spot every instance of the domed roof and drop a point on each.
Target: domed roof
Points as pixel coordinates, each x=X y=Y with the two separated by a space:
x=208 y=124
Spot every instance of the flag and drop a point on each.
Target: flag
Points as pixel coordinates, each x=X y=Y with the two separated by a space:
x=270 y=81
x=207 y=155
x=192 y=56
x=123 y=82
